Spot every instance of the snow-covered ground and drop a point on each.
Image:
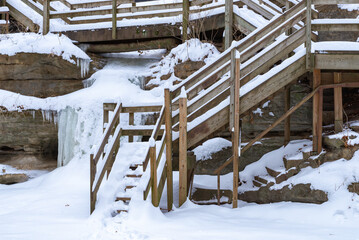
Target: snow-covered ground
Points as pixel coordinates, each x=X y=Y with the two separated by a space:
x=56 y=205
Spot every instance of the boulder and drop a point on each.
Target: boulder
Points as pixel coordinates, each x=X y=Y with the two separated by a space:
x=13 y=178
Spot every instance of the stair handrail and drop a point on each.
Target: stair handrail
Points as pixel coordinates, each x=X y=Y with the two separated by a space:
x=240 y=45
x=108 y=155
x=155 y=159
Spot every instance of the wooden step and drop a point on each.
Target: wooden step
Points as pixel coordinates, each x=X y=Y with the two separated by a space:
x=134 y=176
x=135 y=166
x=125 y=199
x=129 y=187
x=120 y=211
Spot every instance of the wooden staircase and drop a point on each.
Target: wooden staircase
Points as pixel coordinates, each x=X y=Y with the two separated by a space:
x=264 y=63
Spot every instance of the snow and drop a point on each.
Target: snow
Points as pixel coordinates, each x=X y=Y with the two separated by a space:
x=53 y=44
x=335 y=46
x=349 y=7
x=183 y=93
x=191 y=50
x=4 y=9
x=211 y=146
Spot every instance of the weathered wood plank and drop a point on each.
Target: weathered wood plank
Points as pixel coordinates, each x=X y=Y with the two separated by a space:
x=336 y=61
x=341 y=27
x=133 y=109
x=154 y=187
x=228 y=23
x=242 y=25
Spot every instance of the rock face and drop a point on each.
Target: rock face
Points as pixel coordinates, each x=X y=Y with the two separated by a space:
x=354 y=188
x=41 y=75
x=208 y=166
x=297 y=193
x=27 y=140
x=185 y=69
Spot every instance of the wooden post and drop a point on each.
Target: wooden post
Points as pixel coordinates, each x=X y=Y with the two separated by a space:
x=185 y=19
x=46 y=17
x=317 y=112
x=236 y=130
x=92 y=179
x=338 y=104
x=2 y=4
x=154 y=189
x=218 y=189
x=228 y=23
x=114 y=19
x=182 y=147
x=105 y=119
x=231 y=84
x=131 y=122
x=168 y=126
x=308 y=35
x=287 y=119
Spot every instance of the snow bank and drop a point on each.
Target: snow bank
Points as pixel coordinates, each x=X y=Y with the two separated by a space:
x=193 y=50
x=53 y=44
x=211 y=146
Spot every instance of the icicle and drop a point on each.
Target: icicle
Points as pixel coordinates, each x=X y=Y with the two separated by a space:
x=85 y=66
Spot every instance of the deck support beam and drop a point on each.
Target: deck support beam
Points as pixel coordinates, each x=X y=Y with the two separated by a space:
x=182 y=149
x=287 y=120
x=308 y=35
x=114 y=19
x=338 y=104
x=228 y=23
x=131 y=122
x=185 y=20
x=46 y=17
x=168 y=125
x=236 y=130
x=317 y=112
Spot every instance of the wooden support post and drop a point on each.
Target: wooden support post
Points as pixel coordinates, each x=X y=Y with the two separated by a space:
x=105 y=119
x=182 y=147
x=154 y=189
x=218 y=189
x=308 y=35
x=46 y=17
x=168 y=126
x=185 y=19
x=3 y=3
x=92 y=179
x=231 y=84
x=131 y=122
x=114 y=19
x=338 y=104
x=228 y=23
x=287 y=120
x=317 y=112
x=236 y=130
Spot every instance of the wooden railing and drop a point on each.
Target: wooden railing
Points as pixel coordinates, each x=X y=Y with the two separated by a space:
x=4 y=21
x=107 y=156
x=250 y=44
x=157 y=160
x=112 y=127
